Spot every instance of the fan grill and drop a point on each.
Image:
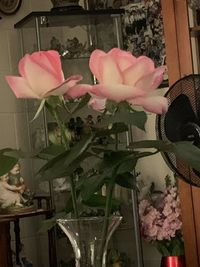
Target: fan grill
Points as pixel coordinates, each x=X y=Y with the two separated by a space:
x=189 y=86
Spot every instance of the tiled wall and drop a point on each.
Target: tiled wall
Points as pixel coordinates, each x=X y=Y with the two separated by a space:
x=13 y=130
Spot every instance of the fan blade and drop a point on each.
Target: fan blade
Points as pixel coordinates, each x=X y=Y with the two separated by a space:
x=181 y=123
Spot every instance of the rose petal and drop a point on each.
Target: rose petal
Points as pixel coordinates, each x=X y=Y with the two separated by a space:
x=143 y=67
x=94 y=62
x=109 y=72
x=117 y=92
x=78 y=91
x=154 y=104
x=123 y=59
x=98 y=104
x=38 y=78
x=20 y=87
x=53 y=62
x=64 y=88
x=48 y=60
x=151 y=81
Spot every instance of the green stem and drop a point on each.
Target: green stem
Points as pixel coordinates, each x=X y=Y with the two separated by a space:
x=106 y=218
x=66 y=145
x=74 y=199
x=116 y=141
x=62 y=128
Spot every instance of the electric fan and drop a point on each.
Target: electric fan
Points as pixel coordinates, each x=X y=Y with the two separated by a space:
x=182 y=123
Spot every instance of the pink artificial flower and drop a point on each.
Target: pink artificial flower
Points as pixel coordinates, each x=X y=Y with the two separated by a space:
x=123 y=77
x=42 y=76
x=161 y=219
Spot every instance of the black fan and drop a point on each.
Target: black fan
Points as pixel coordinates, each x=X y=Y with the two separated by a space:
x=182 y=123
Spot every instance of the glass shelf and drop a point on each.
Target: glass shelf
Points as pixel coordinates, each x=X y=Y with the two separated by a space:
x=57 y=19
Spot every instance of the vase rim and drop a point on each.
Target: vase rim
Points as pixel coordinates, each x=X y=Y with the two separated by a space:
x=173 y=256
x=92 y=218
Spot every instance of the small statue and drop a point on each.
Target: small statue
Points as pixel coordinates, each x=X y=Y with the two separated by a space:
x=10 y=195
x=15 y=178
x=13 y=191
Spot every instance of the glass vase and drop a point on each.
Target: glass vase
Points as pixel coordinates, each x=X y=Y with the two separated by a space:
x=85 y=235
x=173 y=261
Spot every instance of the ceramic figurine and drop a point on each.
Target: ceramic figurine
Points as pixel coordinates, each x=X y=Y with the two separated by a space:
x=10 y=195
x=13 y=192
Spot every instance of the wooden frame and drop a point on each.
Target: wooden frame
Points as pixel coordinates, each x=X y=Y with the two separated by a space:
x=179 y=62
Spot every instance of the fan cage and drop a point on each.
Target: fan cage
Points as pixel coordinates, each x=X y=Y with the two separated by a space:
x=190 y=86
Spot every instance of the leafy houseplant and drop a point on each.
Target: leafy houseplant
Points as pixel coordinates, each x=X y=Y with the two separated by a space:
x=160 y=219
x=124 y=82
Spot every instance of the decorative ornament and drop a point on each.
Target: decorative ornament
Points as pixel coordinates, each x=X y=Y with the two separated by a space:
x=194 y=4
x=9 y=7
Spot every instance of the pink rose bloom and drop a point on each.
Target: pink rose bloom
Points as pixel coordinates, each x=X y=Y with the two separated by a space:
x=42 y=76
x=123 y=77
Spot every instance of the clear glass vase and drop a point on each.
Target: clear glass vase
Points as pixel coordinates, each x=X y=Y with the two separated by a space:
x=85 y=235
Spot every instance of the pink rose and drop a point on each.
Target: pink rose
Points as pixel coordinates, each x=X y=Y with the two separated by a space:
x=123 y=77
x=42 y=76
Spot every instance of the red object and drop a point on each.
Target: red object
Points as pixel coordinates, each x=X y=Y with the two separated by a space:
x=173 y=261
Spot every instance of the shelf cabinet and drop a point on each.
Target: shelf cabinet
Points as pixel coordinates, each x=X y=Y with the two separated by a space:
x=74 y=35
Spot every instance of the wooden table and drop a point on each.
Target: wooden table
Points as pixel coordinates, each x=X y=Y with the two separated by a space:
x=6 y=219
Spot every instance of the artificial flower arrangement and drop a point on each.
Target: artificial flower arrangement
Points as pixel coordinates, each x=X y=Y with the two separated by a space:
x=160 y=219
x=124 y=82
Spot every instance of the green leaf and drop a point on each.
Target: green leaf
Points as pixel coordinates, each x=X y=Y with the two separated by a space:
x=78 y=149
x=65 y=163
x=99 y=150
x=111 y=106
x=50 y=152
x=14 y=153
x=41 y=106
x=6 y=164
x=136 y=118
x=54 y=102
x=157 y=144
x=126 y=180
x=91 y=185
x=119 y=127
x=145 y=154
x=127 y=165
x=176 y=249
x=82 y=103
x=108 y=167
x=56 y=167
x=187 y=152
x=162 y=248
x=114 y=159
x=98 y=200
